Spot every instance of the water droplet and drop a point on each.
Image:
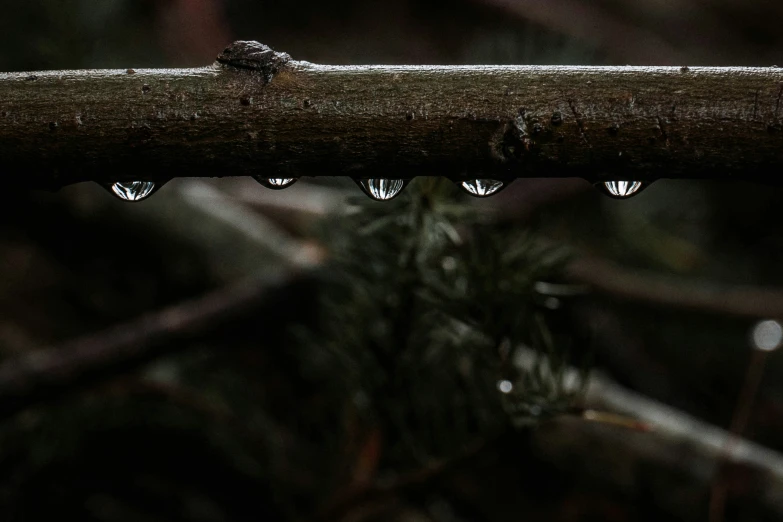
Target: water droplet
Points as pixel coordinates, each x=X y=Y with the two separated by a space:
x=482 y=188
x=381 y=189
x=767 y=335
x=505 y=386
x=133 y=190
x=621 y=189
x=275 y=183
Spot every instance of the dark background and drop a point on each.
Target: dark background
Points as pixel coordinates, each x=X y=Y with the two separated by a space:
x=237 y=423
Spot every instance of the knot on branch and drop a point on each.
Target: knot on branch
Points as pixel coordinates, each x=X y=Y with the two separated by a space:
x=515 y=140
x=254 y=56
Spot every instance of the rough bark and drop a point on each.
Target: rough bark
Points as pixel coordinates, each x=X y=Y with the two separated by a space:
x=257 y=112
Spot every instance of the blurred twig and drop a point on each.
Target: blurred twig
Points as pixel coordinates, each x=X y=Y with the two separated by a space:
x=666 y=33
x=739 y=422
x=597 y=25
x=601 y=275
x=347 y=500
x=676 y=446
x=743 y=301
x=34 y=376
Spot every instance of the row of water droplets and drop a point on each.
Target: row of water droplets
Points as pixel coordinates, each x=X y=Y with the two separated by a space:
x=379 y=189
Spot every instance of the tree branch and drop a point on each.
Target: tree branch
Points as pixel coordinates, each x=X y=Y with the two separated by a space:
x=737 y=300
x=257 y=112
x=31 y=377
x=677 y=449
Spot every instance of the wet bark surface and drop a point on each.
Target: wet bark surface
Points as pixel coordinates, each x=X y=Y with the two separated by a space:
x=257 y=112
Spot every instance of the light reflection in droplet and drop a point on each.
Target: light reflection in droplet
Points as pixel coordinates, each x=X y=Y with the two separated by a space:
x=275 y=183
x=132 y=190
x=621 y=189
x=481 y=188
x=381 y=189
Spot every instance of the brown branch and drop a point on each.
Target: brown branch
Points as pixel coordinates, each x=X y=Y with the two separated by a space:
x=31 y=377
x=743 y=301
x=259 y=112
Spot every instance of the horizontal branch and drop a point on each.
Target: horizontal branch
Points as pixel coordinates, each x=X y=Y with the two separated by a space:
x=257 y=112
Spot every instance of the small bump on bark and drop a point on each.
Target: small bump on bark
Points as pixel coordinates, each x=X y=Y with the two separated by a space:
x=254 y=56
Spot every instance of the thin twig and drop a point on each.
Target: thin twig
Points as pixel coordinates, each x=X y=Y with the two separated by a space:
x=601 y=275
x=590 y=22
x=348 y=499
x=31 y=377
x=743 y=301
x=739 y=422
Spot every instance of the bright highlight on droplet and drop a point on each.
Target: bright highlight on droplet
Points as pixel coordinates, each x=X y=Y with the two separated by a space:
x=382 y=189
x=767 y=335
x=622 y=189
x=132 y=190
x=505 y=386
x=275 y=183
x=481 y=188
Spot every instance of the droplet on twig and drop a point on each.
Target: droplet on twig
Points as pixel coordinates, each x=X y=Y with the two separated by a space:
x=621 y=189
x=133 y=190
x=381 y=189
x=275 y=183
x=481 y=188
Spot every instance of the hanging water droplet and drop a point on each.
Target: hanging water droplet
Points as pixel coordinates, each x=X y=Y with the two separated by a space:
x=275 y=183
x=481 y=188
x=621 y=189
x=132 y=190
x=381 y=189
